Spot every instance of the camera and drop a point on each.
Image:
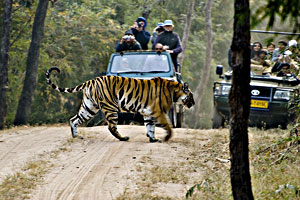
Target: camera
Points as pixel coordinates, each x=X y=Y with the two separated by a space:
x=160 y=29
x=128 y=37
x=139 y=24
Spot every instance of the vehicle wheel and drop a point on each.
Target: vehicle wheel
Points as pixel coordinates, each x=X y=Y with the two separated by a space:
x=218 y=120
x=172 y=116
x=179 y=117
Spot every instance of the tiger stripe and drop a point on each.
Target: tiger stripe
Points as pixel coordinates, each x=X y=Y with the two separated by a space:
x=112 y=94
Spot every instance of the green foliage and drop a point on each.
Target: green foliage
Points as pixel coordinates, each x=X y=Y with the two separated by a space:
x=283 y=9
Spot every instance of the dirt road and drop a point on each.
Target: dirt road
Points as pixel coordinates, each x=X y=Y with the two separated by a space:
x=97 y=167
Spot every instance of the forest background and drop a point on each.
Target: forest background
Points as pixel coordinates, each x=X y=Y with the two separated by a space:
x=80 y=35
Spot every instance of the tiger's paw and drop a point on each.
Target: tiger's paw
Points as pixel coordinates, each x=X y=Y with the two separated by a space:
x=152 y=139
x=126 y=138
x=77 y=136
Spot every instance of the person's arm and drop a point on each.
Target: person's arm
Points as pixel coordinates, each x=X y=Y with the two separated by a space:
x=137 y=46
x=275 y=56
x=178 y=48
x=120 y=47
x=155 y=42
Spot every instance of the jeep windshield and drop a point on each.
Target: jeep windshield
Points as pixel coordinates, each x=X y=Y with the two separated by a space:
x=140 y=63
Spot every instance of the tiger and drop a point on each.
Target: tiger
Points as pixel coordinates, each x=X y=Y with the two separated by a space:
x=112 y=94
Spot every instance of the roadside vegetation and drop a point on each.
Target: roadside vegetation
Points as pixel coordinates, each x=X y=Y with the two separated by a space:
x=205 y=164
x=20 y=184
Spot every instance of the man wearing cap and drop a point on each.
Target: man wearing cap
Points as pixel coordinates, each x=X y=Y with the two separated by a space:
x=139 y=32
x=157 y=31
x=170 y=40
x=128 y=42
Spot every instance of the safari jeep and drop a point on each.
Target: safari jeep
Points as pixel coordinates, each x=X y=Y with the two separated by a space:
x=272 y=100
x=145 y=65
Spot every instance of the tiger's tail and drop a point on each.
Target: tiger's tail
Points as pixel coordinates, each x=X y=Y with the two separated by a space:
x=77 y=88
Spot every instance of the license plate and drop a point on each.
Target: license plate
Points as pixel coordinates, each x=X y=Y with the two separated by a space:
x=259 y=104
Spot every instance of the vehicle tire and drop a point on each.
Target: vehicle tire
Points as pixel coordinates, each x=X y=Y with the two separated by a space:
x=172 y=116
x=218 y=120
x=179 y=117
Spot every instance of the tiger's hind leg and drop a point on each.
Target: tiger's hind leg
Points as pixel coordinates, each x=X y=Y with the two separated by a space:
x=112 y=118
x=150 y=125
x=87 y=111
x=163 y=120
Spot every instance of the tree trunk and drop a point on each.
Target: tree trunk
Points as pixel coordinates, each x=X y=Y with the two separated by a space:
x=186 y=32
x=25 y=101
x=239 y=101
x=206 y=70
x=147 y=9
x=4 y=59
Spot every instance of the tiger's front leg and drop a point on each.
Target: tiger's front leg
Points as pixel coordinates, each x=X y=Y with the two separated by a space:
x=112 y=118
x=150 y=125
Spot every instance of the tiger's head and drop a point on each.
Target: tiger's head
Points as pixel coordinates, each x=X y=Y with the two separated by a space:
x=183 y=92
x=187 y=99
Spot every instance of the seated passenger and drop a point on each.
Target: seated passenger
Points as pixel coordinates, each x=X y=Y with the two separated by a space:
x=255 y=50
x=159 y=47
x=278 y=54
x=270 y=48
x=128 y=42
x=287 y=70
x=259 y=65
x=293 y=48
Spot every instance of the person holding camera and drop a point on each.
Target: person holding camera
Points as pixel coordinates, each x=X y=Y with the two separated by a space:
x=139 y=32
x=170 y=41
x=128 y=42
x=157 y=31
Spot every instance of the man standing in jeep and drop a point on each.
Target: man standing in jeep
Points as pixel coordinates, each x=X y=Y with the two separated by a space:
x=170 y=41
x=139 y=31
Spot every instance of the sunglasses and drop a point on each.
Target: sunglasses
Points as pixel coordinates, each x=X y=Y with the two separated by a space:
x=168 y=25
x=158 y=48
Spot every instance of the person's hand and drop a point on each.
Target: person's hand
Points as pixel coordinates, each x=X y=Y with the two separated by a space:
x=135 y=25
x=170 y=51
x=165 y=47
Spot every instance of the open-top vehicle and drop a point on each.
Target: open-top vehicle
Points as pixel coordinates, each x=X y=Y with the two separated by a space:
x=272 y=100
x=145 y=65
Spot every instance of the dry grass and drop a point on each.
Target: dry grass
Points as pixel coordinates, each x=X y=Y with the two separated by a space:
x=274 y=159
x=19 y=184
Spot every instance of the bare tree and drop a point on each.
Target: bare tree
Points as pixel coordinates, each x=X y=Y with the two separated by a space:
x=4 y=59
x=187 y=29
x=25 y=101
x=206 y=70
x=239 y=101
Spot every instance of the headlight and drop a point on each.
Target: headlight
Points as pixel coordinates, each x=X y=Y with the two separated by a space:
x=282 y=95
x=222 y=89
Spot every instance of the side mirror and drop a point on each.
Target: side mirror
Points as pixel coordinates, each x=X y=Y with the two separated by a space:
x=219 y=70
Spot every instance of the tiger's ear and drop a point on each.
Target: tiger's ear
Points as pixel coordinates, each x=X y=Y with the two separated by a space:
x=185 y=87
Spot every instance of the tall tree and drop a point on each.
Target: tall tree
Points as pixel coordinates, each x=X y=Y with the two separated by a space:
x=239 y=101
x=187 y=29
x=206 y=70
x=5 y=44
x=25 y=101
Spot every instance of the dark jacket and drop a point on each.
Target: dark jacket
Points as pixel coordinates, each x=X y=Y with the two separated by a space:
x=172 y=40
x=128 y=46
x=143 y=37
